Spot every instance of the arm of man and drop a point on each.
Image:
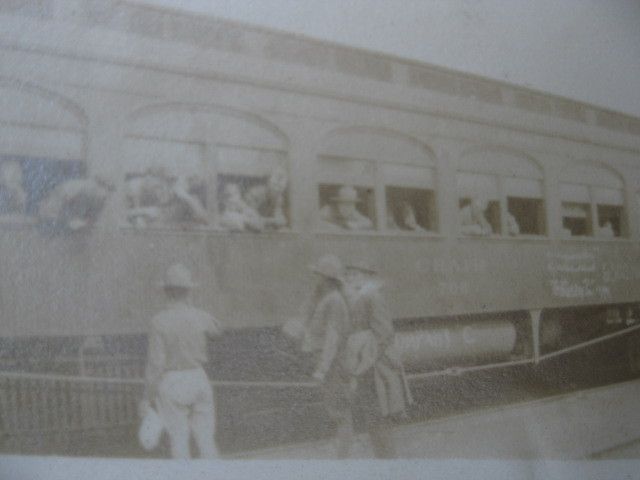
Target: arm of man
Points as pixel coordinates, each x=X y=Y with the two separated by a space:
x=156 y=358
x=336 y=315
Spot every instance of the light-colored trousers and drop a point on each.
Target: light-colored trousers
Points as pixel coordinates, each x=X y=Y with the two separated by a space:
x=185 y=403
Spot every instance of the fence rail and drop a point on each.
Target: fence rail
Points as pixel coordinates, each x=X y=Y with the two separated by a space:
x=48 y=412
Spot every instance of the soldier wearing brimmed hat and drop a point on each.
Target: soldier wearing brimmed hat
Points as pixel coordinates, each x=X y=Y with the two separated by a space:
x=325 y=333
x=382 y=392
x=342 y=212
x=176 y=380
x=473 y=220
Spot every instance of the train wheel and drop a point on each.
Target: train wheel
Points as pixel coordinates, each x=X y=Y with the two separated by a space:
x=633 y=354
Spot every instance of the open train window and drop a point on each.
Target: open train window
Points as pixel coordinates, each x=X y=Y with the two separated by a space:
x=501 y=194
x=525 y=206
x=479 y=204
x=609 y=211
x=410 y=209
x=576 y=219
x=346 y=194
x=252 y=190
x=25 y=182
x=410 y=198
x=592 y=203
x=346 y=207
x=164 y=186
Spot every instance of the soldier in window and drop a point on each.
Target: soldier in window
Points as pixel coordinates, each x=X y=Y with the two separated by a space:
x=12 y=195
x=342 y=212
x=269 y=200
x=513 y=228
x=75 y=204
x=185 y=204
x=606 y=230
x=237 y=214
x=147 y=195
x=472 y=218
x=406 y=219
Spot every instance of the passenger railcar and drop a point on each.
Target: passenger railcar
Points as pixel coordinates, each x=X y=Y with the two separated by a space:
x=129 y=92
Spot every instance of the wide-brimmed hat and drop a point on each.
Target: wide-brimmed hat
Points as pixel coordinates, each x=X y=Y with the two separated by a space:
x=346 y=195
x=362 y=265
x=178 y=276
x=328 y=266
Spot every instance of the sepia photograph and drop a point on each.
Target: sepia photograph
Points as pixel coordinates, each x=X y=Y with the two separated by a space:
x=367 y=231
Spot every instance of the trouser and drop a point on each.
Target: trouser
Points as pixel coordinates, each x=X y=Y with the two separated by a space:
x=371 y=413
x=185 y=403
x=338 y=397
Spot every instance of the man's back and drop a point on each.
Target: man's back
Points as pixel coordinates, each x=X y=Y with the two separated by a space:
x=181 y=331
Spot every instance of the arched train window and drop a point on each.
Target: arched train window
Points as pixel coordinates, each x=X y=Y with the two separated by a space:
x=193 y=165
x=592 y=202
x=500 y=193
x=42 y=145
x=376 y=180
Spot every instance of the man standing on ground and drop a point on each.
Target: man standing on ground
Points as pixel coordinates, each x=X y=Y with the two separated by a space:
x=176 y=380
x=382 y=391
x=325 y=333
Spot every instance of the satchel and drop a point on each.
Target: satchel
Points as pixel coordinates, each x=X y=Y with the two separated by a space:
x=150 y=429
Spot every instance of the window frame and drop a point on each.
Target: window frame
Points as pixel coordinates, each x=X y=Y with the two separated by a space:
x=503 y=205
x=593 y=192
x=378 y=183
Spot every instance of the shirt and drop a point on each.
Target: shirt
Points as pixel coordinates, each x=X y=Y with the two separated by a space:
x=328 y=329
x=178 y=340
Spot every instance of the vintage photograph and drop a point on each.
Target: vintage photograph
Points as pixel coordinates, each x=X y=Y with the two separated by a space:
x=227 y=241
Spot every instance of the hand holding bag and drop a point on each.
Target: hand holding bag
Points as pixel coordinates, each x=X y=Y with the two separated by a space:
x=150 y=429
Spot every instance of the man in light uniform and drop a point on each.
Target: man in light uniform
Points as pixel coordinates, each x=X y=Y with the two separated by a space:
x=382 y=389
x=176 y=380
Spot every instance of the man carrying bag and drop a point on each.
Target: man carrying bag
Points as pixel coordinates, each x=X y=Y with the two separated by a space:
x=176 y=380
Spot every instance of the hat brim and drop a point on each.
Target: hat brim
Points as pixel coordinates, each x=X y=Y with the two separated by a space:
x=168 y=285
x=317 y=271
x=361 y=268
x=344 y=200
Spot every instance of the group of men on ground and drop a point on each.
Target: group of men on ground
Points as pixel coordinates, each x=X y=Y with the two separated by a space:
x=347 y=331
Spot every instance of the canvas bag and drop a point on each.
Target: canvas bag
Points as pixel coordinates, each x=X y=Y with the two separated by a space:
x=150 y=430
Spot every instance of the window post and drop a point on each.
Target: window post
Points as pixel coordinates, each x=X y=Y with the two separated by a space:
x=552 y=203
x=446 y=193
x=210 y=158
x=380 y=199
x=502 y=200
x=595 y=221
x=630 y=215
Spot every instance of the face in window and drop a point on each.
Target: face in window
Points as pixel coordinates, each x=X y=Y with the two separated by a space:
x=479 y=205
x=277 y=183
x=348 y=214
x=346 y=210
